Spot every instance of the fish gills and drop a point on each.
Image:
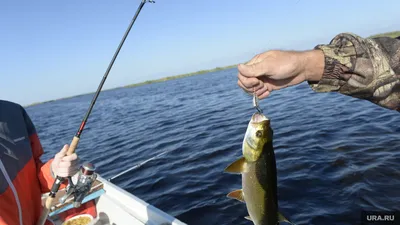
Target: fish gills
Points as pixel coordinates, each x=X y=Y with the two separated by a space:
x=259 y=177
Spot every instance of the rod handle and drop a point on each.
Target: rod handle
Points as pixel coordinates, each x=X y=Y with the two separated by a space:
x=45 y=212
x=73 y=145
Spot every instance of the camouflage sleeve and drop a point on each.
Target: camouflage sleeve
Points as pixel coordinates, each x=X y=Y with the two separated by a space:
x=364 y=68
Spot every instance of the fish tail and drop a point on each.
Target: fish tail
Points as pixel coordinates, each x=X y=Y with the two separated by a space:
x=282 y=218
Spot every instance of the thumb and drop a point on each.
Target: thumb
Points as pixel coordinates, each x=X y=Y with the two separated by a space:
x=253 y=70
x=62 y=153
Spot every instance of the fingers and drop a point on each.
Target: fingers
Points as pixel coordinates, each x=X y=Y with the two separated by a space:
x=249 y=82
x=262 y=90
x=250 y=85
x=253 y=70
x=249 y=73
x=66 y=171
x=242 y=86
x=250 y=90
x=256 y=59
x=62 y=153
x=65 y=165
x=72 y=157
x=269 y=71
x=264 y=95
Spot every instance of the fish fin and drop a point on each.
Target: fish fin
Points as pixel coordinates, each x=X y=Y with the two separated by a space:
x=282 y=218
x=238 y=166
x=248 y=218
x=236 y=194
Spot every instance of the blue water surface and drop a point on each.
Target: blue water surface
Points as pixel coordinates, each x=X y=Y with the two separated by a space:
x=336 y=155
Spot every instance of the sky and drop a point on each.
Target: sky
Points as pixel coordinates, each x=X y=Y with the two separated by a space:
x=54 y=49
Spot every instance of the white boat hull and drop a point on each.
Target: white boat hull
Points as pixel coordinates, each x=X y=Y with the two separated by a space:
x=116 y=206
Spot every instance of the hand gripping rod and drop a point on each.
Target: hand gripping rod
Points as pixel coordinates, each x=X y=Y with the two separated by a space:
x=75 y=140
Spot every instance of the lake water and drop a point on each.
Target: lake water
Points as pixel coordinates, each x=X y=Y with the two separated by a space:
x=335 y=155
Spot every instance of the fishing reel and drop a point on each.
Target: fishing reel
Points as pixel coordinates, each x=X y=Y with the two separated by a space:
x=86 y=177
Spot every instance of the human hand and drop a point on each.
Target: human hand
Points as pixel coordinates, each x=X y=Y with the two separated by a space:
x=64 y=165
x=274 y=70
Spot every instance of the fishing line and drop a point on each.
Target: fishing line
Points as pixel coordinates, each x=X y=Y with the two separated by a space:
x=255 y=104
x=75 y=140
x=139 y=165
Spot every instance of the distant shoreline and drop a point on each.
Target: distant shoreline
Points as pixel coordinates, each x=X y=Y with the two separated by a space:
x=392 y=34
x=180 y=76
x=146 y=82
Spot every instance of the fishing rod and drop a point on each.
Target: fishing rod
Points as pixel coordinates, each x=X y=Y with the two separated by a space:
x=76 y=138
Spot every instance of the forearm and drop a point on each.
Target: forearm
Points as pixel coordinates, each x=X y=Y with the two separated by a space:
x=362 y=68
x=313 y=65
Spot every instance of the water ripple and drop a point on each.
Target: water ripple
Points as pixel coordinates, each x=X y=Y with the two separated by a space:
x=336 y=155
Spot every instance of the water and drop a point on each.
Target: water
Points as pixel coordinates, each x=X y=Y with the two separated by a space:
x=336 y=155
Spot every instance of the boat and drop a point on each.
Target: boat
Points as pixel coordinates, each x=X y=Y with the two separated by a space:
x=114 y=206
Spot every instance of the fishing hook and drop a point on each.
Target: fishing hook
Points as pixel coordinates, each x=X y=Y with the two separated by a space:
x=255 y=103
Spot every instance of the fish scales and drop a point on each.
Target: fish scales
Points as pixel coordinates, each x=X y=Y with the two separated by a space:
x=259 y=176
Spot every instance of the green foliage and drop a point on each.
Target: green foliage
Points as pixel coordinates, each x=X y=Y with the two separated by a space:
x=180 y=76
x=392 y=34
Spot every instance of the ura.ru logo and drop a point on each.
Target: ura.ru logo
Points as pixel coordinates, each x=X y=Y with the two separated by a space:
x=380 y=218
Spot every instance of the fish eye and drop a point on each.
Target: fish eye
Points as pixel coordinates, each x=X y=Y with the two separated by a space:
x=259 y=133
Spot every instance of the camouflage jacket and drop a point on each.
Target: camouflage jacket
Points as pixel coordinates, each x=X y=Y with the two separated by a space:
x=365 y=68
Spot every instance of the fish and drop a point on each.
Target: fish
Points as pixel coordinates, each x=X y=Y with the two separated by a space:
x=259 y=175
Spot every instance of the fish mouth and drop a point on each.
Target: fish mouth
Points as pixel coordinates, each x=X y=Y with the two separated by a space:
x=258 y=118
